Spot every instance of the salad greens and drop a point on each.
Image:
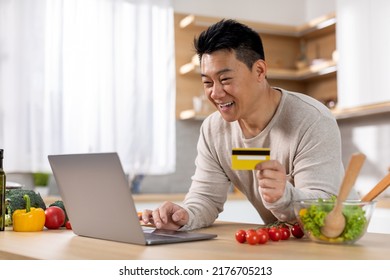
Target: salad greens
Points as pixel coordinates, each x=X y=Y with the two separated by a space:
x=313 y=218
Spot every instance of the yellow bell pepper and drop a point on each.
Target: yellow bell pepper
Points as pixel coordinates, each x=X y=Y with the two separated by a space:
x=29 y=219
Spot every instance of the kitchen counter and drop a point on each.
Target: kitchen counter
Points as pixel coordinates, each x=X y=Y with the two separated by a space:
x=64 y=244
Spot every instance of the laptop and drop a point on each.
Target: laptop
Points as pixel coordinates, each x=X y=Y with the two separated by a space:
x=99 y=203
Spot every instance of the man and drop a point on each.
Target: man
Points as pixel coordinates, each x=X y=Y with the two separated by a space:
x=301 y=133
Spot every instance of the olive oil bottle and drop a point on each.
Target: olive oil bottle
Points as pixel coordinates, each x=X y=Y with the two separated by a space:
x=2 y=192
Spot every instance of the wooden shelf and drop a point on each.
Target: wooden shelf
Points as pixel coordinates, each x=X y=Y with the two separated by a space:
x=317 y=25
x=325 y=68
x=362 y=111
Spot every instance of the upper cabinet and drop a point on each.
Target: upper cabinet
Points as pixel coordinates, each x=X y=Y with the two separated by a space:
x=299 y=58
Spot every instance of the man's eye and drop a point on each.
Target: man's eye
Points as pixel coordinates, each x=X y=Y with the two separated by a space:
x=207 y=84
x=225 y=80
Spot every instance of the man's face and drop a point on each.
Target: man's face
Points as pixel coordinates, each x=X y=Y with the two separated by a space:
x=229 y=84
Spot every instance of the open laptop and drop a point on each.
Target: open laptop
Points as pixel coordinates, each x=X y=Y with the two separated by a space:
x=99 y=203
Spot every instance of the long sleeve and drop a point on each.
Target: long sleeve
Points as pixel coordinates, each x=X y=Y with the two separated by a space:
x=210 y=185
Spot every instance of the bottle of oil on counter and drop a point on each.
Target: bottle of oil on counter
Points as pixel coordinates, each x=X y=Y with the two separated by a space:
x=2 y=192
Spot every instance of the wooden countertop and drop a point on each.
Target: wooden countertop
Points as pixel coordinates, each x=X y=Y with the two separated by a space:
x=64 y=244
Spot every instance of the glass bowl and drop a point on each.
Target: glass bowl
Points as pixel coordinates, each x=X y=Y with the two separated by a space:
x=311 y=213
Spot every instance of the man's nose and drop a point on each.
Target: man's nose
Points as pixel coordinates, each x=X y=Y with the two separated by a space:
x=217 y=91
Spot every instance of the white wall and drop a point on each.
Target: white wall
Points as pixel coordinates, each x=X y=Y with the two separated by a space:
x=289 y=12
x=363 y=43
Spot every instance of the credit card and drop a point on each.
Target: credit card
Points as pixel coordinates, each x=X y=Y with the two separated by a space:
x=248 y=158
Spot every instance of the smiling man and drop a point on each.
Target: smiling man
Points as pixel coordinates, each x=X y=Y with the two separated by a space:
x=300 y=132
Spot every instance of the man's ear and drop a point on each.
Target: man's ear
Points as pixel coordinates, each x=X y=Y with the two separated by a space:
x=260 y=68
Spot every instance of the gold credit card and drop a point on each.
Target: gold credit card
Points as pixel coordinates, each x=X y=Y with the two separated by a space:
x=248 y=158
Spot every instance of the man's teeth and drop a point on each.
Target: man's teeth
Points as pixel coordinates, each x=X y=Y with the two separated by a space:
x=226 y=104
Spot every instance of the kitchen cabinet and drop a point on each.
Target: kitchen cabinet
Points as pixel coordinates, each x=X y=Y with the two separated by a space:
x=299 y=58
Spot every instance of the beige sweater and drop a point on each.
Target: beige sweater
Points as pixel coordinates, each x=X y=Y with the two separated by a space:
x=303 y=135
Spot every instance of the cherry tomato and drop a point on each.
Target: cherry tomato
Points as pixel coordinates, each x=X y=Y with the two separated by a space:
x=296 y=231
x=250 y=232
x=68 y=225
x=263 y=235
x=55 y=217
x=262 y=230
x=285 y=233
x=265 y=229
x=283 y=225
x=241 y=236
x=274 y=234
x=251 y=237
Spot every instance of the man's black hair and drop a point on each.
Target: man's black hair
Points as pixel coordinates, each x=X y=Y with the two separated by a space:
x=231 y=35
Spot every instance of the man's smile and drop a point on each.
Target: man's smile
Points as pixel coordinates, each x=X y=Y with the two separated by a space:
x=225 y=105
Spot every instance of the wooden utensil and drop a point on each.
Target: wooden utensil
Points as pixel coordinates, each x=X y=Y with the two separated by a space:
x=378 y=189
x=334 y=223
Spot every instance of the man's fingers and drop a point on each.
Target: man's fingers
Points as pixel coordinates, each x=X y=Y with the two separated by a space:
x=269 y=165
x=156 y=218
x=180 y=217
x=167 y=216
x=146 y=216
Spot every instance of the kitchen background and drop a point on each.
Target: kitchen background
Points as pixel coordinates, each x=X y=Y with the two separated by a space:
x=357 y=82
x=363 y=46
x=362 y=63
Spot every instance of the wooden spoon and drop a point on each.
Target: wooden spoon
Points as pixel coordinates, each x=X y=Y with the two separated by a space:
x=334 y=223
x=378 y=189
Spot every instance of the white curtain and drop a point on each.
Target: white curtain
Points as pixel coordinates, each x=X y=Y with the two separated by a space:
x=87 y=76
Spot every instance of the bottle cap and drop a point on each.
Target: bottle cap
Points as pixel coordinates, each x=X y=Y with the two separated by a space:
x=1 y=153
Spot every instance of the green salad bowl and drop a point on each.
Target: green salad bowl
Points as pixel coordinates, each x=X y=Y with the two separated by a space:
x=311 y=213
